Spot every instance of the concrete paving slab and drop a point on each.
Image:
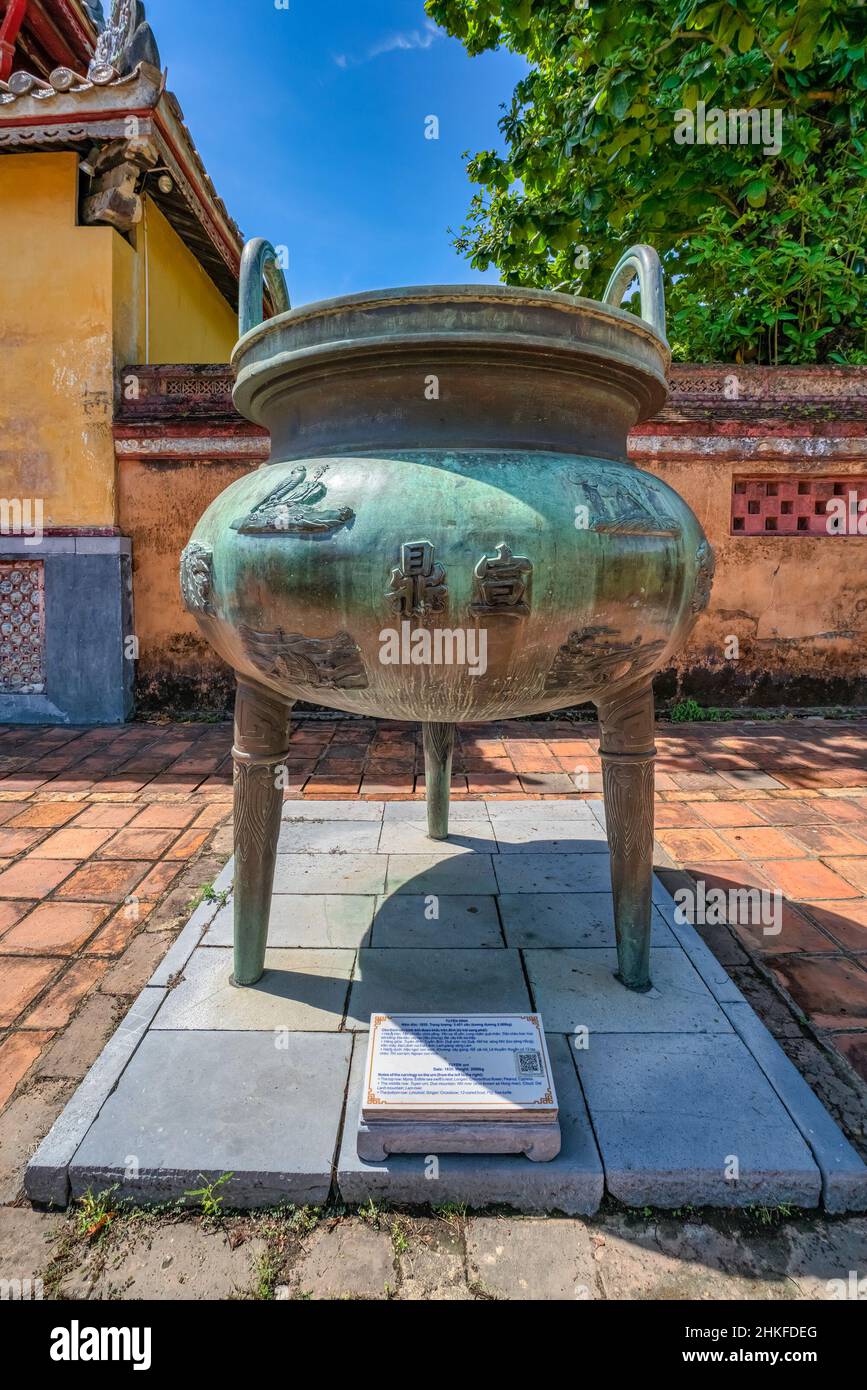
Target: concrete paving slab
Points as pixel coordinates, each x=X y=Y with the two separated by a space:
x=539 y=811
x=404 y=919
x=25 y=1242
x=411 y=837
x=332 y=810
x=432 y=1265
x=826 y=1261
x=328 y=837
x=335 y=920
x=567 y=919
x=397 y=811
x=303 y=991
x=442 y=872
x=226 y=877
x=550 y=836
x=578 y=989
x=571 y=1183
x=531 y=1260
x=844 y=1174
x=449 y=981
x=692 y=1120
x=210 y=1103
x=553 y=873
x=715 y=975
x=46 y=1178
x=180 y=1262
x=345 y=1262
x=360 y=874
x=179 y=953
x=673 y=1259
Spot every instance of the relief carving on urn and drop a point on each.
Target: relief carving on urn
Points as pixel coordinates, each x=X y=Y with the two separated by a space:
x=593 y=658
x=330 y=663
x=197 y=579
x=289 y=509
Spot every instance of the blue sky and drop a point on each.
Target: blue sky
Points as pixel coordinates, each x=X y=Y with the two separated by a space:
x=311 y=122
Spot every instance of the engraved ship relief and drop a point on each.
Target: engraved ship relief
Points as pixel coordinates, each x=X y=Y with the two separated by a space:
x=501 y=584
x=197 y=580
x=418 y=584
x=329 y=663
x=288 y=510
x=590 y=659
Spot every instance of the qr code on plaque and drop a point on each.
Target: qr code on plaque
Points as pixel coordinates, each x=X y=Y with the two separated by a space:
x=528 y=1064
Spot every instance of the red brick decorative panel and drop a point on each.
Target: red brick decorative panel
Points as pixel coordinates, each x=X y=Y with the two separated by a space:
x=798 y=506
x=22 y=627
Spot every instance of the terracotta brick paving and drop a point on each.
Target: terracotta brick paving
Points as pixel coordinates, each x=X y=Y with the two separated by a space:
x=106 y=835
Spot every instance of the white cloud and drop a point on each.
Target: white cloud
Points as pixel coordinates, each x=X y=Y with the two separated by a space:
x=403 y=41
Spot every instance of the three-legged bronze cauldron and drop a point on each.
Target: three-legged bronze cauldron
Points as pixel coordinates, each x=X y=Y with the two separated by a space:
x=448 y=530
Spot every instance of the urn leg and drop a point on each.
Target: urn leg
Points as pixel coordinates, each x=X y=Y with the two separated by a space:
x=628 y=753
x=261 y=746
x=439 y=744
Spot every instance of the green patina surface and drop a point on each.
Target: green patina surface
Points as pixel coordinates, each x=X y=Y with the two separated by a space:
x=614 y=556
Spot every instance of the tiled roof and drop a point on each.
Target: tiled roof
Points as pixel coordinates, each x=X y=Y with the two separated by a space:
x=74 y=111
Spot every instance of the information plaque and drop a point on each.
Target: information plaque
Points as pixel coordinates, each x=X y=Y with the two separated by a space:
x=458 y=1083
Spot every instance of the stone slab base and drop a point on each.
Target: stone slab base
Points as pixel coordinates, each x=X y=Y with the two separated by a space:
x=675 y=1097
x=195 y=1106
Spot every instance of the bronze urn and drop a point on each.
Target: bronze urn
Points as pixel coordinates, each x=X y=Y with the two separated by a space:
x=448 y=530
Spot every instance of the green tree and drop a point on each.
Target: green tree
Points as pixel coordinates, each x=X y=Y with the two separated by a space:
x=764 y=248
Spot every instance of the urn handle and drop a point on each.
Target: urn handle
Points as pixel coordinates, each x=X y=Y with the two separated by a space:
x=642 y=261
x=258 y=264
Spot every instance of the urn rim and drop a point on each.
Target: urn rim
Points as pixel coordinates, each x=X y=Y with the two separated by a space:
x=514 y=295
x=454 y=326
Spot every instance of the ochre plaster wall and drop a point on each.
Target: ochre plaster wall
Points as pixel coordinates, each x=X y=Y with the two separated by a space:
x=72 y=311
x=188 y=319
x=796 y=604
x=160 y=504
x=56 y=367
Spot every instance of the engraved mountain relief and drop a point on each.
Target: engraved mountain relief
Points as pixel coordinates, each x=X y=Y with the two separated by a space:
x=197 y=579
x=290 y=510
x=330 y=663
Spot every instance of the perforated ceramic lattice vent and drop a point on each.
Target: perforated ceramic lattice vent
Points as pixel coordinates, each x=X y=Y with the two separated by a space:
x=22 y=628
x=796 y=506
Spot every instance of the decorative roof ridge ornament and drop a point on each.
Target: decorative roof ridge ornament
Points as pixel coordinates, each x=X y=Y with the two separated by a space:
x=95 y=13
x=125 y=41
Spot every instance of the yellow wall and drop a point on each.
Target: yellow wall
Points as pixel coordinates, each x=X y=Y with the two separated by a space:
x=56 y=385
x=72 y=311
x=190 y=321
